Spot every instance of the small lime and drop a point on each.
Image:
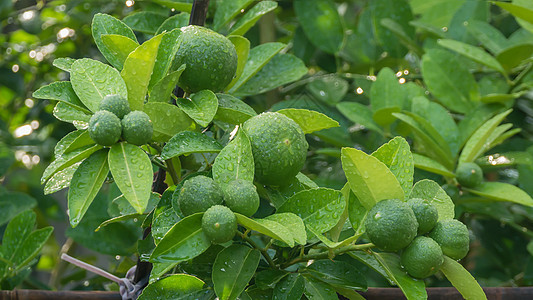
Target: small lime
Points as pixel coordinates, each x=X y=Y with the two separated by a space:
x=469 y=175
x=115 y=104
x=453 y=238
x=219 y=224
x=391 y=225
x=198 y=194
x=241 y=197
x=426 y=214
x=422 y=258
x=104 y=128
x=137 y=128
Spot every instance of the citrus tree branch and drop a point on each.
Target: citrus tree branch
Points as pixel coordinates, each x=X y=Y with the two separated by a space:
x=327 y=254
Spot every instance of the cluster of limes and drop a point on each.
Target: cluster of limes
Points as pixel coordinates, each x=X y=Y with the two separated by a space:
x=413 y=227
x=114 y=120
x=202 y=194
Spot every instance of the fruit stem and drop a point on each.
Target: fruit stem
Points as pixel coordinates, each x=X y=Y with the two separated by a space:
x=262 y=250
x=172 y=171
x=328 y=254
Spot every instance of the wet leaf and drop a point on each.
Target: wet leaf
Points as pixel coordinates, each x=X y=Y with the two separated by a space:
x=13 y=203
x=500 y=191
x=145 y=21
x=309 y=120
x=242 y=46
x=132 y=170
x=431 y=191
x=162 y=224
x=176 y=21
x=396 y=155
x=359 y=114
x=119 y=46
x=85 y=184
x=235 y=161
x=252 y=16
x=330 y=89
x=425 y=163
x=474 y=53
x=184 y=241
x=70 y=114
x=162 y=90
x=318 y=290
x=234 y=267
x=201 y=106
x=167 y=120
x=269 y=228
x=188 y=142
x=170 y=43
x=31 y=247
x=289 y=287
x=177 y=287
x=386 y=96
x=338 y=273
x=93 y=80
x=66 y=141
x=60 y=180
x=370 y=179
x=64 y=161
x=293 y=223
x=60 y=91
x=490 y=37
x=63 y=63
x=461 y=279
x=233 y=110
x=227 y=10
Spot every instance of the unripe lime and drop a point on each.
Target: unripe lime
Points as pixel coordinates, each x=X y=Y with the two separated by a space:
x=115 y=104
x=426 y=214
x=219 y=224
x=278 y=146
x=391 y=225
x=198 y=194
x=104 y=128
x=137 y=128
x=210 y=59
x=241 y=197
x=469 y=174
x=422 y=258
x=453 y=238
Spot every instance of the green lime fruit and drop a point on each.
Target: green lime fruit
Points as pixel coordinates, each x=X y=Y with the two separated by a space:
x=391 y=225
x=278 y=145
x=426 y=214
x=469 y=175
x=453 y=238
x=137 y=128
x=198 y=194
x=210 y=59
x=219 y=224
x=115 y=104
x=241 y=197
x=422 y=258
x=104 y=128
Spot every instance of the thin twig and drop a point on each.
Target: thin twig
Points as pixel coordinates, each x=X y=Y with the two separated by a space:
x=90 y=268
x=262 y=250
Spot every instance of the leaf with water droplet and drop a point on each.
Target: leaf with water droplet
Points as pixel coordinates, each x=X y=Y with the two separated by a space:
x=318 y=290
x=293 y=223
x=67 y=113
x=60 y=91
x=396 y=154
x=177 y=286
x=201 y=107
x=136 y=189
x=338 y=273
x=370 y=179
x=64 y=161
x=167 y=120
x=163 y=89
x=145 y=21
x=462 y=280
x=235 y=161
x=119 y=47
x=187 y=142
x=267 y=227
x=289 y=287
x=63 y=63
x=239 y=263
x=233 y=110
x=309 y=120
x=431 y=191
x=106 y=24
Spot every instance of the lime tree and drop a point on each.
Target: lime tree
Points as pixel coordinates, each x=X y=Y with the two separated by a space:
x=115 y=104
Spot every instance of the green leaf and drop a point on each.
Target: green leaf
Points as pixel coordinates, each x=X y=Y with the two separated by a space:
x=257 y=58
x=370 y=179
x=319 y=208
x=16 y=232
x=227 y=10
x=359 y=114
x=356 y=211
x=169 y=45
x=63 y=63
x=519 y=11
x=233 y=269
x=13 y=203
x=280 y=70
x=188 y=142
x=201 y=106
x=60 y=180
x=318 y=290
x=437 y=12
x=235 y=161
x=162 y=224
x=514 y=55
x=293 y=223
x=66 y=141
x=233 y=110
x=386 y=95
x=67 y=160
x=252 y=16
x=268 y=278
x=85 y=184
x=461 y=279
x=119 y=46
x=71 y=114
x=396 y=155
x=182 y=5
x=242 y=46
x=138 y=69
x=31 y=247
x=184 y=241
x=330 y=89
x=269 y=228
x=474 y=53
x=145 y=21
x=106 y=24
x=132 y=170
x=449 y=80
x=431 y=191
x=167 y=120
x=83 y=140
x=413 y=289
x=178 y=287
x=476 y=144
x=122 y=218
x=162 y=90
x=370 y=260
x=125 y=208
x=427 y=164
x=500 y=191
x=309 y=120
x=321 y=24
x=174 y=22
x=469 y=11
x=338 y=273
x=289 y=287
x=490 y=37
x=60 y=91
x=403 y=36
x=93 y=80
